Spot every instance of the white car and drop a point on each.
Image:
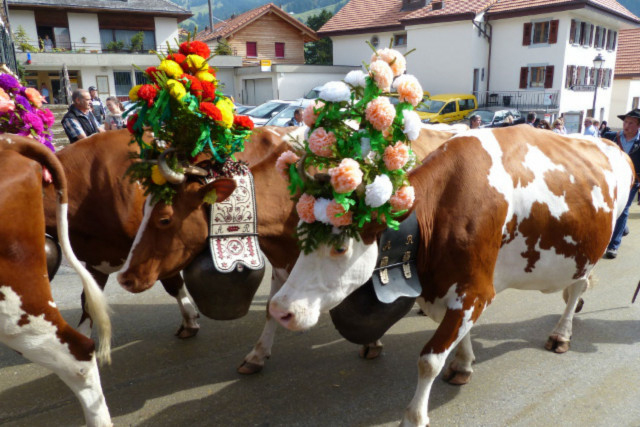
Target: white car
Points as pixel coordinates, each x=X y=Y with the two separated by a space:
x=264 y=112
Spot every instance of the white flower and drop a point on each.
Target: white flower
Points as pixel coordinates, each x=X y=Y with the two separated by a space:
x=356 y=78
x=335 y=92
x=378 y=192
x=412 y=125
x=320 y=210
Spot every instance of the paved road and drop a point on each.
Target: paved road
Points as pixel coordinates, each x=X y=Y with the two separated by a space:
x=316 y=378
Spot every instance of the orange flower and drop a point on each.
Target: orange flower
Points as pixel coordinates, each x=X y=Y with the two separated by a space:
x=321 y=142
x=380 y=113
x=34 y=97
x=284 y=161
x=304 y=207
x=381 y=74
x=346 y=177
x=409 y=89
x=395 y=59
x=403 y=199
x=309 y=117
x=334 y=209
x=396 y=157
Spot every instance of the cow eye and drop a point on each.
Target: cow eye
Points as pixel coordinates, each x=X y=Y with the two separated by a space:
x=340 y=250
x=164 y=221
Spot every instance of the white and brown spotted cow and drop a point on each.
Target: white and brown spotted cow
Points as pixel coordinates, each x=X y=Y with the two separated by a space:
x=30 y=323
x=501 y=208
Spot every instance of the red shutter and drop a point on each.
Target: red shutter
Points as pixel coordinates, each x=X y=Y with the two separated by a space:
x=572 y=32
x=567 y=82
x=591 y=35
x=592 y=76
x=548 y=77
x=279 y=50
x=526 y=34
x=553 y=31
x=252 y=49
x=524 y=76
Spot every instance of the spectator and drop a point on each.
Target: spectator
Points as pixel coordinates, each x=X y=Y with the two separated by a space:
x=114 y=118
x=47 y=43
x=96 y=103
x=475 y=121
x=531 y=119
x=79 y=122
x=589 y=128
x=629 y=140
x=596 y=124
x=558 y=127
x=296 y=120
x=543 y=124
x=508 y=121
x=604 y=128
x=44 y=91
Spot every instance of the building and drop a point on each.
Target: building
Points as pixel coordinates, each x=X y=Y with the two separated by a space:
x=626 y=83
x=535 y=55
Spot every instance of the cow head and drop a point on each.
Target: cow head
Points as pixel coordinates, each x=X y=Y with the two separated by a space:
x=171 y=236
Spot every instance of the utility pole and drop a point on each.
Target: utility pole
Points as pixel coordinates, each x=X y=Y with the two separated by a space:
x=211 y=15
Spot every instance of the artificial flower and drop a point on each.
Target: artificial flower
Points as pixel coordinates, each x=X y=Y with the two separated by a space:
x=335 y=92
x=179 y=58
x=395 y=59
x=8 y=82
x=35 y=97
x=195 y=47
x=196 y=63
x=396 y=157
x=211 y=110
x=192 y=84
x=285 y=160
x=379 y=191
x=380 y=113
x=412 y=125
x=320 y=210
x=133 y=93
x=226 y=108
x=381 y=74
x=4 y=95
x=7 y=105
x=208 y=91
x=305 y=208
x=156 y=176
x=409 y=89
x=131 y=121
x=356 y=78
x=321 y=142
x=176 y=89
x=338 y=217
x=47 y=117
x=346 y=177
x=148 y=93
x=243 y=122
x=205 y=76
x=309 y=115
x=171 y=68
x=403 y=198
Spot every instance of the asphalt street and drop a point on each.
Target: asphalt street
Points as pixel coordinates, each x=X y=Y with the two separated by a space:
x=316 y=378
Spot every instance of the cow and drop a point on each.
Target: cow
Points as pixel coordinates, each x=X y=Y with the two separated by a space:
x=501 y=208
x=30 y=322
x=162 y=250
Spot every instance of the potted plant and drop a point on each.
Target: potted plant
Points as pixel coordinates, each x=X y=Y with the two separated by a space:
x=137 y=41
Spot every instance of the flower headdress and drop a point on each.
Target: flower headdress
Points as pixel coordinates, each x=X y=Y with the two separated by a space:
x=188 y=115
x=21 y=111
x=367 y=163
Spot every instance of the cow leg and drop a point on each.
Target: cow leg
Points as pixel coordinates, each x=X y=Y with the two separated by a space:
x=86 y=324
x=254 y=361
x=174 y=286
x=454 y=327
x=371 y=350
x=559 y=339
x=459 y=370
x=565 y=296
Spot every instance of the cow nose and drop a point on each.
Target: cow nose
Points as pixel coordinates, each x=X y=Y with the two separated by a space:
x=284 y=317
x=127 y=281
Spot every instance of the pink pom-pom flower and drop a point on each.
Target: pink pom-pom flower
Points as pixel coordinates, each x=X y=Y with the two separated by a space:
x=403 y=198
x=309 y=117
x=409 y=89
x=321 y=142
x=333 y=210
x=285 y=160
x=346 y=177
x=380 y=113
x=305 y=206
x=396 y=157
x=381 y=74
x=395 y=59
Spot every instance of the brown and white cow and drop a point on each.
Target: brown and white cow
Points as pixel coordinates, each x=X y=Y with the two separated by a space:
x=502 y=208
x=174 y=235
x=30 y=323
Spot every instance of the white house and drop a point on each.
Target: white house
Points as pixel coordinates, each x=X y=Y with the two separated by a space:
x=535 y=55
x=626 y=84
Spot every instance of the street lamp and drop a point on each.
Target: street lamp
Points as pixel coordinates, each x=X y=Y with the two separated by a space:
x=598 y=61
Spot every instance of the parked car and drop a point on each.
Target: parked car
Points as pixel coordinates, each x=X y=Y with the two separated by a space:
x=314 y=93
x=241 y=109
x=263 y=112
x=283 y=117
x=495 y=116
x=447 y=108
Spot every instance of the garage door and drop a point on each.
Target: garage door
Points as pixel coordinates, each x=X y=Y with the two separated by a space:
x=257 y=91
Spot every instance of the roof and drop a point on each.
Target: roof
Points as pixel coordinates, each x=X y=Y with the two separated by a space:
x=158 y=7
x=451 y=10
x=365 y=16
x=234 y=24
x=505 y=7
x=627 y=64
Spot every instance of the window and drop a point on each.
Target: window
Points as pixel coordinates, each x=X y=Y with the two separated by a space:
x=466 y=104
x=536 y=77
x=122 y=81
x=574 y=33
x=112 y=39
x=252 y=49
x=279 y=50
x=400 y=39
x=375 y=41
x=611 y=39
x=449 y=108
x=542 y=32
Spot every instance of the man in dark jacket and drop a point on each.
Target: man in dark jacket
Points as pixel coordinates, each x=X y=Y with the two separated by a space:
x=629 y=141
x=99 y=110
x=79 y=122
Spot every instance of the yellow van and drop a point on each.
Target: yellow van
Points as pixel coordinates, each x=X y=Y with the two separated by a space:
x=447 y=108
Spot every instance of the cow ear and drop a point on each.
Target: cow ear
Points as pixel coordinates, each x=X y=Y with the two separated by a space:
x=371 y=231
x=217 y=191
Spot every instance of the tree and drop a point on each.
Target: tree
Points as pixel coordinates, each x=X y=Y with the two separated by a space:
x=23 y=41
x=320 y=52
x=137 y=41
x=223 y=48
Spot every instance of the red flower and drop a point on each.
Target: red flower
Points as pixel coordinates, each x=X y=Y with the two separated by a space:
x=208 y=91
x=131 y=121
x=195 y=87
x=179 y=58
x=151 y=73
x=195 y=48
x=148 y=93
x=211 y=110
x=243 y=122
x=212 y=71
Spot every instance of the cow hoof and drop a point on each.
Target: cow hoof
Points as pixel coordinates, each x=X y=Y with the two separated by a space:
x=187 y=332
x=370 y=351
x=248 y=368
x=580 y=305
x=557 y=345
x=454 y=377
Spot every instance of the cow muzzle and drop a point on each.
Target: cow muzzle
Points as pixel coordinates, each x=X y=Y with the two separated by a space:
x=132 y=283
x=294 y=316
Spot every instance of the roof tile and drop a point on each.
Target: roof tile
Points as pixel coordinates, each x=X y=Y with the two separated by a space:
x=365 y=14
x=522 y=5
x=627 y=63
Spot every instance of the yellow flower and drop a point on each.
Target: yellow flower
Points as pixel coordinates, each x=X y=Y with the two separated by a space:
x=176 y=89
x=156 y=176
x=197 y=63
x=205 y=76
x=172 y=68
x=133 y=93
x=226 y=108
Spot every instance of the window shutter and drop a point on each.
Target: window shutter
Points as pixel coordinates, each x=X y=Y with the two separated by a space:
x=524 y=76
x=553 y=31
x=526 y=34
x=591 y=35
x=279 y=50
x=572 y=32
x=567 y=81
x=548 y=77
x=615 y=39
x=608 y=39
x=592 y=76
x=252 y=49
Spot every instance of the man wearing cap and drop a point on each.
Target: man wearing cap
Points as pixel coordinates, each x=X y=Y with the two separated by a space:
x=96 y=103
x=629 y=141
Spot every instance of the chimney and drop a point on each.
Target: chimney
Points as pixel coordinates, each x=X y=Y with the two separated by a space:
x=437 y=5
x=413 y=4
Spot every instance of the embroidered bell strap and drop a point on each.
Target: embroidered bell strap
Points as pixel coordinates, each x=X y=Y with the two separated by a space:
x=233 y=229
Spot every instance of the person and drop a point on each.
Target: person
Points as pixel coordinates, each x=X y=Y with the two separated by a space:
x=114 y=118
x=604 y=128
x=96 y=103
x=558 y=126
x=475 y=121
x=296 y=120
x=544 y=124
x=596 y=124
x=79 y=122
x=629 y=140
x=47 y=43
x=44 y=91
x=531 y=119
x=589 y=128
x=508 y=121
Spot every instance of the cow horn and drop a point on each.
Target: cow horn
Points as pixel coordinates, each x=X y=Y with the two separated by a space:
x=195 y=170
x=169 y=174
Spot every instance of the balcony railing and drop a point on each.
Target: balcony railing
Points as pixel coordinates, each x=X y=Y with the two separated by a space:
x=80 y=47
x=520 y=99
